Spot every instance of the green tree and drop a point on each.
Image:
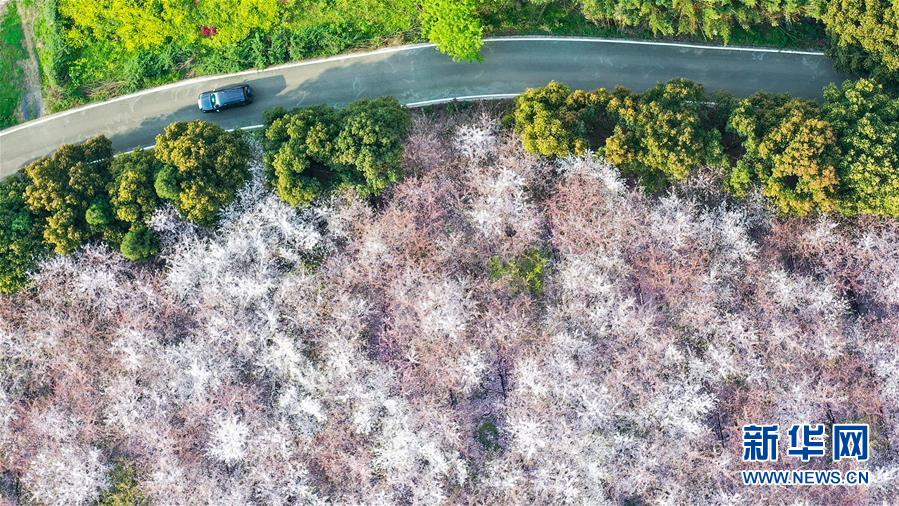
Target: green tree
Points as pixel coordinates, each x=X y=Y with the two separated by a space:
x=371 y=139
x=313 y=150
x=134 y=200
x=207 y=168
x=131 y=191
x=555 y=120
x=661 y=135
x=65 y=186
x=791 y=153
x=21 y=233
x=872 y=25
x=455 y=27
x=866 y=122
x=299 y=150
x=125 y=490
x=525 y=273
x=711 y=18
x=139 y=243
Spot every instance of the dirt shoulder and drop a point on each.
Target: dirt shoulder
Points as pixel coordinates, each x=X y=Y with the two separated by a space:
x=32 y=105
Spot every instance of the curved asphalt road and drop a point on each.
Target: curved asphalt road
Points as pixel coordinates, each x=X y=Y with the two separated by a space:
x=417 y=75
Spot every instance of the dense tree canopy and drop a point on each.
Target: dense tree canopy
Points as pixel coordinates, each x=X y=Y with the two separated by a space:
x=790 y=153
x=454 y=25
x=661 y=135
x=866 y=123
x=872 y=25
x=712 y=18
x=300 y=150
x=131 y=190
x=21 y=235
x=371 y=138
x=553 y=120
x=205 y=167
x=68 y=189
x=134 y=200
x=313 y=150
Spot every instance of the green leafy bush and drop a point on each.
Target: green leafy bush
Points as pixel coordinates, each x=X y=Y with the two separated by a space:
x=454 y=25
x=865 y=34
x=133 y=197
x=131 y=191
x=207 y=166
x=525 y=273
x=556 y=121
x=299 y=151
x=124 y=490
x=21 y=233
x=68 y=189
x=661 y=135
x=791 y=153
x=866 y=123
x=371 y=138
x=313 y=150
x=139 y=243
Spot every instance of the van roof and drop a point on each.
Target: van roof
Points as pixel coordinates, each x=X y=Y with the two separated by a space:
x=229 y=95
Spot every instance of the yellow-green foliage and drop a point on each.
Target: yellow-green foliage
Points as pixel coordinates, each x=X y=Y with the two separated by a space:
x=206 y=166
x=712 y=18
x=866 y=121
x=790 y=153
x=871 y=24
x=124 y=490
x=661 y=135
x=63 y=187
x=525 y=273
x=553 y=120
x=454 y=26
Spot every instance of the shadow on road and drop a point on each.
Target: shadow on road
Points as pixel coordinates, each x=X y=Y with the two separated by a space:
x=150 y=127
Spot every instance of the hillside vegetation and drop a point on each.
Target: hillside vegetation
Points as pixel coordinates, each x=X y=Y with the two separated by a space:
x=92 y=50
x=497 y=328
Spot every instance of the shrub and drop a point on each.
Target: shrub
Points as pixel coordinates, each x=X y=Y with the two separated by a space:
x=313 y=150
x=790 y=153
x=139 y=243
x=455 y=27
x=20 y=235
x=371 y=141
x=866 y=123
x=554 y=120
x=62 y=189
x=661 y=134
x=124 y=490
x=207 y=167
x=525 y=273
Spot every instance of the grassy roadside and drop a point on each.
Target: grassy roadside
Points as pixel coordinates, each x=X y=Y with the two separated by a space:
x=12 y=51
x=557 y=19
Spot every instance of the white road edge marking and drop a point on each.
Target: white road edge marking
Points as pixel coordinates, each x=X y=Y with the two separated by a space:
x=388 y=50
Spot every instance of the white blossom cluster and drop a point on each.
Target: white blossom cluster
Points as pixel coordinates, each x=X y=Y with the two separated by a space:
x=352 y=354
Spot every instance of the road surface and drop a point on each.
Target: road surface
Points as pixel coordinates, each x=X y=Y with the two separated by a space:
x=418 y=75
